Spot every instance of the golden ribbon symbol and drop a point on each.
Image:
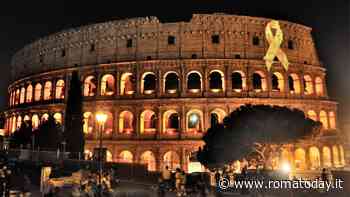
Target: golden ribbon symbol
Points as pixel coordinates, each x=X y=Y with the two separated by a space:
x=275 y=42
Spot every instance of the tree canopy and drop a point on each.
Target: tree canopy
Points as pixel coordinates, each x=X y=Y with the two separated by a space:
x=47 y=136
x=250 y=125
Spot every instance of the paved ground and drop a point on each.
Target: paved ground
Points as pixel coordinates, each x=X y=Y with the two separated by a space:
x=132 y=189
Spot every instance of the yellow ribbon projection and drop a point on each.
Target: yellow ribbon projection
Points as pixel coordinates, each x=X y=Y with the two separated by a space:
x=275 y=42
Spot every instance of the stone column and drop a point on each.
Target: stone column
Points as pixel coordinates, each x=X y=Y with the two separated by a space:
x=206 y=80
x=138 y=81
x=183 y=80
x=183 y=125
x=116 y=122
x=159 y=123
x=117 y=81
x=159 y=88
x=307 y=158
x=98 y=80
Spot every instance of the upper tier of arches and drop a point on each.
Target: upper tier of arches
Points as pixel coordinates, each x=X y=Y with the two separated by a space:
x=196 y=80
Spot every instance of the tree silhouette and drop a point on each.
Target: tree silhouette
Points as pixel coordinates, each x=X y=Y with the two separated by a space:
x=22 y=136
x=48 y=136
x=73 y=133
x=254 y=131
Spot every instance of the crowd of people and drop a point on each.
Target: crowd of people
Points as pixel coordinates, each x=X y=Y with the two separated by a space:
x=89 y=186
x=181 y=183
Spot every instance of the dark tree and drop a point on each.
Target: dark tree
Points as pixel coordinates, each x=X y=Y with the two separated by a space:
x=73 y=132
x=255 y=129
x=22 y=136
x=48 y=136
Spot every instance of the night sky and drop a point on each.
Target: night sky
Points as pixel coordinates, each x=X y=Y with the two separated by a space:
x=25 y=21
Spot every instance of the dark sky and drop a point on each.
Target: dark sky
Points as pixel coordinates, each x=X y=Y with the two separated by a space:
x=24 y=21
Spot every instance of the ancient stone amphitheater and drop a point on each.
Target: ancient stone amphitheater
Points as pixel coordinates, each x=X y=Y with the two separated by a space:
x=163 y=84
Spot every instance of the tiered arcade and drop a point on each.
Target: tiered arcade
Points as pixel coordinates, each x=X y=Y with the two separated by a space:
x=163 y=84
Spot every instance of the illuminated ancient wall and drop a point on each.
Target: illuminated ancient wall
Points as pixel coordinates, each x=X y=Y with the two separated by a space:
x=163 y=84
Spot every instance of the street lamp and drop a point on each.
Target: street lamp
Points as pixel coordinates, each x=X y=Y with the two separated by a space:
x=101 y=119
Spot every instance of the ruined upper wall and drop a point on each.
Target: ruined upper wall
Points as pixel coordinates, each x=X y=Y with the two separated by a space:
x=107 y=42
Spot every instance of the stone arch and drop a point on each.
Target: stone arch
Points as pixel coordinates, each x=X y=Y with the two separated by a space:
x=312 y=115
x=324 y=119
x=332 y=120
x=294 y=83
x=238 y=81
x=172 y=160
x=45 y=117
x=194 y=121
x=127 y=84
x=35 y=121
x=88 y=154
x=126 y=119
x=26 y=118
x=308 y=85
x=109 y=156
x=171 y=122
x=148 y=121
x=216 y=81
x=149 y=159
x=107 y=85
x=259 y=81
x=88 y=122
x=17 y=96
x=341 y=155
x=217 y=116
x=58 y=117
x=277 y=81
x=37 y=92
x=19 y=122
x=90 y=86
x=29 y=94
x=149 y=83
x=194 y=81
x=14 y=124
x=47 y=90
x=315 y=159
x=319 y=86
x=125 y=156
x=327 y=157
x=300 y=159
x=108 y=129
x=22 y=95
x=171 y=82
x=335 y=152
x=60 y=89
x=286 y=156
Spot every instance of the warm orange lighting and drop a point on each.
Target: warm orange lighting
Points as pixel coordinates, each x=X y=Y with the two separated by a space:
x=194 y=90
x=215 y=90
x=172 y=91
x=101 y=118
x=148 y=91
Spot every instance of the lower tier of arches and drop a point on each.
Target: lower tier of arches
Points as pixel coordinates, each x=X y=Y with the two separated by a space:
x=156 y=154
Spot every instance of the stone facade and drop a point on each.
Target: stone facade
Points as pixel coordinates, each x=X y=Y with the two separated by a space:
x=129 y=68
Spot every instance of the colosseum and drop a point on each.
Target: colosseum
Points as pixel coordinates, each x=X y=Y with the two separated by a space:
x=163 y=84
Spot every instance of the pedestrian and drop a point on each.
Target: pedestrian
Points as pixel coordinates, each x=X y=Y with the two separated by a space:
x=324 y=176
x=166 y=176
x=178 y=180
x=183 y=183
x=161 y=188
x=217 y=177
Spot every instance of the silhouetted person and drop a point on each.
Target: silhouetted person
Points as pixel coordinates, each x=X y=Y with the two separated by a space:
x=324 y=175
x=217 y=177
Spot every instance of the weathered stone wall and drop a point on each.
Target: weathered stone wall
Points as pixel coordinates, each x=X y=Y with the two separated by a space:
x=150 y=41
